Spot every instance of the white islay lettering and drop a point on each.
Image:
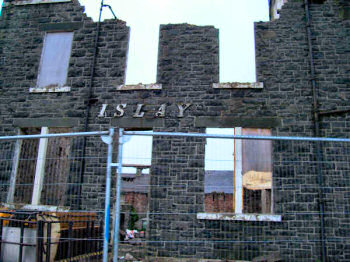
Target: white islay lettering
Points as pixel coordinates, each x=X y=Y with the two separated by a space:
x=103 y=111
x=161 y=111
x=120 y=110
x=138 y=112
x=182 y=108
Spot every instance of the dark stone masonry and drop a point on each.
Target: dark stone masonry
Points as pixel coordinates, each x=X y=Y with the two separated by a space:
x=188 y=65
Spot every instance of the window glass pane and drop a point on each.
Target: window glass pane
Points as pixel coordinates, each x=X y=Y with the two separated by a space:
x=55 y=59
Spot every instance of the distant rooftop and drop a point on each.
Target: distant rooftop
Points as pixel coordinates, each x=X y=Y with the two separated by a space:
x=215 y=181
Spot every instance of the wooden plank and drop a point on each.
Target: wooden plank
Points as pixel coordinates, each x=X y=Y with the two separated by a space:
x=257 y=180
x=57 y=165
x=266 y=201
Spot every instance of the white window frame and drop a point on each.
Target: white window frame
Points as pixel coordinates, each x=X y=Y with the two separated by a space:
x=238 y=193
x=40 y=168
x=238 y=179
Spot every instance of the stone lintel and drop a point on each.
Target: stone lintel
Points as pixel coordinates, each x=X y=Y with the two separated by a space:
x=130 y=122
x=49 y=122
x=230 y=122
x=50 y=89
x=61 y=26
x=239 y=85
x=140 y=87
x=240 y=217
x=35 y=2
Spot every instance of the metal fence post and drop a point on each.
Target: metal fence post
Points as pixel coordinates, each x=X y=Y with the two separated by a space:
x=117 y=203
x=109 y=141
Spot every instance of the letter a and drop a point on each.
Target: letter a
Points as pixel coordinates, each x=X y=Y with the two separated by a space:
x=161 y=111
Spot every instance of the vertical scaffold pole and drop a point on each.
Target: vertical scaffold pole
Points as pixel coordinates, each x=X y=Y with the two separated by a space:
x=118 y=193
x=109 y=141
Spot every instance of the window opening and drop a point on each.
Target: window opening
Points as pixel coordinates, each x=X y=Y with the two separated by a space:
x=256 y=172
x=137 y=154
x=55 y=59
x=238 y=173
x=219 y=168
x=137 y=158
x=43 y=167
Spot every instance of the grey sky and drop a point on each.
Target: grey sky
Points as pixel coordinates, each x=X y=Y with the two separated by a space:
x=234 y=18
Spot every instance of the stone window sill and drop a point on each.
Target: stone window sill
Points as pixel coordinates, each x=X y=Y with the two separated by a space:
x=36 y=207
x=34 y=2
x=139 y=87
x=239 y=217
x=238 y=85
x=51 y=89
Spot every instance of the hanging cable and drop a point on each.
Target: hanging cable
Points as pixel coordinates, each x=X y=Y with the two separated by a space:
x=317 y=132
x=90 y=100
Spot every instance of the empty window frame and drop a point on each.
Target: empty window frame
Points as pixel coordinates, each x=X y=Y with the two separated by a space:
x=137 y=159
x=137 y=155
x=55 y=59
x=238 y=173
x=41 y=170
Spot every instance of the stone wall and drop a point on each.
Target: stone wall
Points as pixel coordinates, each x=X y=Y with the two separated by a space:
x=22 y=31
x=22 y=34
x=188 y=65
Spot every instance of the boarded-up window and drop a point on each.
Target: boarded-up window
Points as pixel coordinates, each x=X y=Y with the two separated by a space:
x=55 y=59
x=240 y=170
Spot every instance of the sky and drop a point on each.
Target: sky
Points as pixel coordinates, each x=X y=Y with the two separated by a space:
x=234 y=19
